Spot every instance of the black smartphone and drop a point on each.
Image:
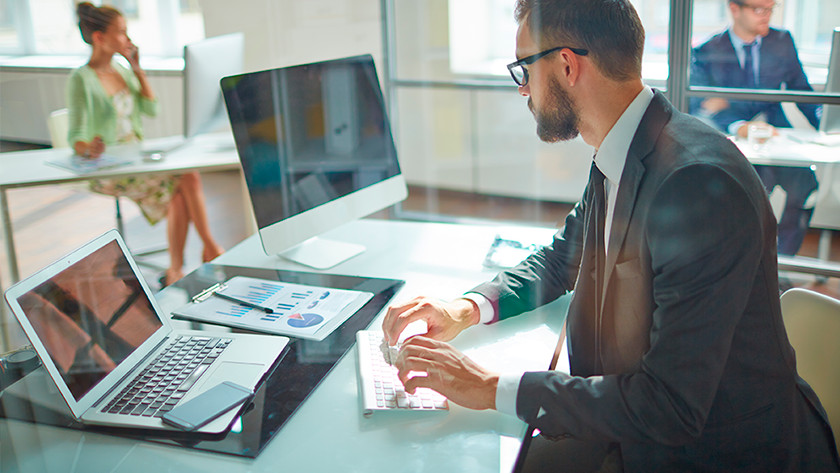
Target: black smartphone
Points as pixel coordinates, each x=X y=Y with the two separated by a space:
x=207 y=406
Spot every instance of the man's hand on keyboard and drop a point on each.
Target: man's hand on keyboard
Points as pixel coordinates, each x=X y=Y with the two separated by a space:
x=444 y=320
x=447 y=371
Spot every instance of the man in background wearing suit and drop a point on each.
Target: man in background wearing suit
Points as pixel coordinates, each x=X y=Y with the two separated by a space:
x=751 y=55
x=679 y=358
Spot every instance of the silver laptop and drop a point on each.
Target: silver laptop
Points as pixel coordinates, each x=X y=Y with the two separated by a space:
x=113 y=355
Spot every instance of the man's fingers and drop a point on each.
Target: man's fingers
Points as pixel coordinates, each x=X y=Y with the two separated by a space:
x=418 y=355
x=399 y=317
x=422 y=342
x=391 y=323
x=418 y=380
x=415 y=373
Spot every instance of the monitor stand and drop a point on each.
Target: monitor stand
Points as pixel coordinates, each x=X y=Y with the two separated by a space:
x=321 y=253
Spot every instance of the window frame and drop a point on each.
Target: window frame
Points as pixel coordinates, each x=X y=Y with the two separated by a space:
x=678 y=90
x=676 y=86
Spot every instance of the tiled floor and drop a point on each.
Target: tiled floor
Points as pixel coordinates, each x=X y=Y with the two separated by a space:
x=50 y=221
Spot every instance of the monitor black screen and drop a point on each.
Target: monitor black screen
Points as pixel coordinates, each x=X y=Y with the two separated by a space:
x=309 y=134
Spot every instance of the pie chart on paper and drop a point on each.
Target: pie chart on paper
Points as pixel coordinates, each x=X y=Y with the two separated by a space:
x=304 y=320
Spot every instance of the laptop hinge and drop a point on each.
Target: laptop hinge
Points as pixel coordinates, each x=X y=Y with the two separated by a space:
x=140 y=363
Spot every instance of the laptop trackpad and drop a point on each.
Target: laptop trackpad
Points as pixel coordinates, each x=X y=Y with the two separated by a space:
x=244 y=374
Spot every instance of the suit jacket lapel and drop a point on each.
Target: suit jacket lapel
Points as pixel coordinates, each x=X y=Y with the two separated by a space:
x=657 y=115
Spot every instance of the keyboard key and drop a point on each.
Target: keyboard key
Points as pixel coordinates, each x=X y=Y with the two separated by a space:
x=170 y=375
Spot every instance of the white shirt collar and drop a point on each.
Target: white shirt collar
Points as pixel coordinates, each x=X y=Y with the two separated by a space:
x=613 y=151
x=738 y=45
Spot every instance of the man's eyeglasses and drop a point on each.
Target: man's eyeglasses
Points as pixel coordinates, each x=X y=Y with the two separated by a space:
x=520 y=73
x=760 y=11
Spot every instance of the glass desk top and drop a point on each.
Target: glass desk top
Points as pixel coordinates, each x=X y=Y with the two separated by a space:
x=293 y=378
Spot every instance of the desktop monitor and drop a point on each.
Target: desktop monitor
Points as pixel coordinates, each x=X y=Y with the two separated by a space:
x=316 y=150
x=205 y=63
x=830 y=121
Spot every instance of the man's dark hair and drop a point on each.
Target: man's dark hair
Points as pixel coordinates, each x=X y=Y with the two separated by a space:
x=610 y=29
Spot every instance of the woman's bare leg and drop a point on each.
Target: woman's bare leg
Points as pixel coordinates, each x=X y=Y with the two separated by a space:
x=177 y=225
x=190 y=188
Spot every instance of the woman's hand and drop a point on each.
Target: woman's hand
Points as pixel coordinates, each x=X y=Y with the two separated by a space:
x=91 y=150
x=132 y=55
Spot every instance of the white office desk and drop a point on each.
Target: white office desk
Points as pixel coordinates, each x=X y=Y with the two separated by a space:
x=30 y=168
x=783 y=150
x=328 y=432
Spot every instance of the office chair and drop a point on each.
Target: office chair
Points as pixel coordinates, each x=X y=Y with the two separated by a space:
x=58 y=126
x=812 y=321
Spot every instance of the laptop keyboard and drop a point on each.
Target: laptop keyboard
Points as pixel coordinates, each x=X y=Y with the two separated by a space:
x=167 y=378
x=381 y=388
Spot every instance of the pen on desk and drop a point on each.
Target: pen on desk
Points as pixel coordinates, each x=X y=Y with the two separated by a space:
x=267 y=310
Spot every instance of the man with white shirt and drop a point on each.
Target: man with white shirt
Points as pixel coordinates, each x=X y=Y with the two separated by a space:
x=679 y=359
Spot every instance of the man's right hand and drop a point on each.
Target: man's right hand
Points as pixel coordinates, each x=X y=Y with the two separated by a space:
x=444 y=320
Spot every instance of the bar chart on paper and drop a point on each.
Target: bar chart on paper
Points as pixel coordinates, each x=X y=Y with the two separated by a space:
x=296 y=310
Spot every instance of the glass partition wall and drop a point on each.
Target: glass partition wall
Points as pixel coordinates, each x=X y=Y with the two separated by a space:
x=465 y=135
x=463 y=132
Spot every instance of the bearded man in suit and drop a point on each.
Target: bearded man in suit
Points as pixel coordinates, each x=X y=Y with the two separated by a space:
x=679 y=358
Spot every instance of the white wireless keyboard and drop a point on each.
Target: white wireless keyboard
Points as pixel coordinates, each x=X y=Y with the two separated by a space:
x=379 y=384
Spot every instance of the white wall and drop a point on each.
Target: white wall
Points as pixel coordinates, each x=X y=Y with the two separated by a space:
x=286 y=32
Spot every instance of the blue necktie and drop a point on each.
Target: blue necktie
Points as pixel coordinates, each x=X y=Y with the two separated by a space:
x=749 y=69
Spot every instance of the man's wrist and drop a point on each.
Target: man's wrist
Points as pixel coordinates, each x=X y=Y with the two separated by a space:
x=492 y=388
x=486 y=313
x=469 y=314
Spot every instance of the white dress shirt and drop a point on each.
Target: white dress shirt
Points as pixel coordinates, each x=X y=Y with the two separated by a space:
x=610 y=159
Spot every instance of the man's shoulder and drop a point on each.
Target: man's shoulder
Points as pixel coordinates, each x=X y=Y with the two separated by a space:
x=716 y=42
x=777 y=37
x=686 y=144
x=776 y=34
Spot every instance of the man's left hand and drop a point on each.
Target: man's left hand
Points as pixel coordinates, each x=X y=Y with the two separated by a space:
x=439 y=366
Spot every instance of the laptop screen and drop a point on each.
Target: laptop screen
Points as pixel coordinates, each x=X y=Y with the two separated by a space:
x=91 y=316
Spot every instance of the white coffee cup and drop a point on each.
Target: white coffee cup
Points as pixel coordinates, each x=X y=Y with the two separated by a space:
x=758 y=133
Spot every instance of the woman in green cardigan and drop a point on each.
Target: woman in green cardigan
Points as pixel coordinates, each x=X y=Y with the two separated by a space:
x=106 y=102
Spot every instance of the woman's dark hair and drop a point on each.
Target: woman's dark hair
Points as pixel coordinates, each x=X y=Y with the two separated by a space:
x=93 y=19
x=610 y=29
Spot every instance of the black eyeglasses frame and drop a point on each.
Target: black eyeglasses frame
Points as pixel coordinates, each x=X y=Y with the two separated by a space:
x=534 y=58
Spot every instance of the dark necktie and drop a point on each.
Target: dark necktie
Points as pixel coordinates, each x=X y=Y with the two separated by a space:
x=600 y=201
x=749 y=69
x=596 y=180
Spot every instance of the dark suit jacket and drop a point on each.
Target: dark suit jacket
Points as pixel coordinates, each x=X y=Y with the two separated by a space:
x=687 y=364
x=715 y=64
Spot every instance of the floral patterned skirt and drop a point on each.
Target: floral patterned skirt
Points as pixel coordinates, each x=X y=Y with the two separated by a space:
x=152 y=193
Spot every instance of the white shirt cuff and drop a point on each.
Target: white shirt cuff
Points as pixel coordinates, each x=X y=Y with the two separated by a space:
x=486 y=313
x=506 y=393
x=734 y=126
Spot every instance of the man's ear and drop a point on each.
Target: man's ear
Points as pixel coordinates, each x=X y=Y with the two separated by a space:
x=570 y=65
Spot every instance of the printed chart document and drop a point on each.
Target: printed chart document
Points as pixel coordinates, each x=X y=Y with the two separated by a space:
x=81 y=165
x=295 y=310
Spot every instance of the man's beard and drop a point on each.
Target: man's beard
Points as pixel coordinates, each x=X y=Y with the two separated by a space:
x=558 y=120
